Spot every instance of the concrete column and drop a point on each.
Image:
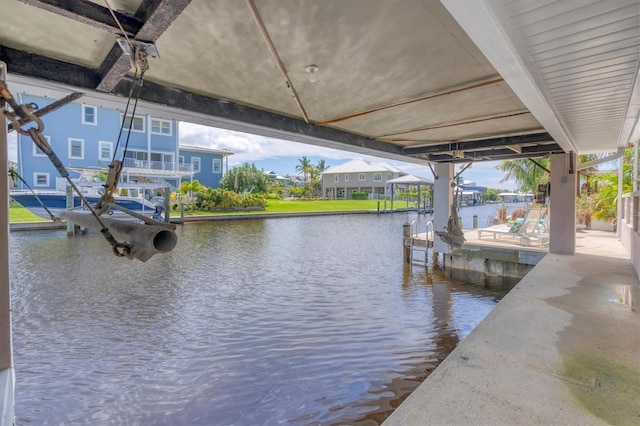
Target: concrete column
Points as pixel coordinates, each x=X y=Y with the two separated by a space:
x=442 y=199
x=5 y=295
x=562 y=239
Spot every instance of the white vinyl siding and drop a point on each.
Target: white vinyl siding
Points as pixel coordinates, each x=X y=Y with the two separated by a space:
x=76 y=149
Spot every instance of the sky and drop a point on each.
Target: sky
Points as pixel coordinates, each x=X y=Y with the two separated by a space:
x=283 y=156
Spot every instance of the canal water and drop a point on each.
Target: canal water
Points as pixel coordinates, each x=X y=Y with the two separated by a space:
x=279 y=321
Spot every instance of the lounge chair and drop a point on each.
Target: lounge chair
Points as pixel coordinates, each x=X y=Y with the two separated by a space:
x=533 y=227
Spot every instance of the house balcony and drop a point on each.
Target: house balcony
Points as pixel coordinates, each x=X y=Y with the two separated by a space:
x=158 y=168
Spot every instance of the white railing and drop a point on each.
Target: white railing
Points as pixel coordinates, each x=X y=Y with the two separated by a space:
x=156 y=165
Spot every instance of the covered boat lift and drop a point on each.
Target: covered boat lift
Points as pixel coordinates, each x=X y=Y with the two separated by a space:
x=430 y=82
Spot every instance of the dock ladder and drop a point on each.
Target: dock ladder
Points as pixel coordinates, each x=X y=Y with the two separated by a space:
x=420 y=241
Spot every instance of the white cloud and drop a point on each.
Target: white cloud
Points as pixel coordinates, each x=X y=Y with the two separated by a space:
x=282 y=156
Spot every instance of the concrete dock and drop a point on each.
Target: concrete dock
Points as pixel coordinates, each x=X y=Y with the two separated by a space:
x=563 y=347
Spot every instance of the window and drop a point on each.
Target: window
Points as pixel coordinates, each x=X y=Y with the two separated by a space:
x=160 y=127
x=181 y=159
x=138 y=123
x=196 y=164
x=336 y=178
x=377 y=177
x=362 y=177
x=106 y=151
x=217 y=165
x=89 y=115
x=161 y=161
x=76 y=149
x=41 y=179
x=346 y=178
x=37 y=152
x=138 y=159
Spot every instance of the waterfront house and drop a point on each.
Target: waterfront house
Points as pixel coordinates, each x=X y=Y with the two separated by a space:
x=85 y=137
x=358 y=175
x=208 y=164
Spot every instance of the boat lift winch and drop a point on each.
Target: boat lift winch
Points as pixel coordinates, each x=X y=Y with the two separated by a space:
x=127 y=238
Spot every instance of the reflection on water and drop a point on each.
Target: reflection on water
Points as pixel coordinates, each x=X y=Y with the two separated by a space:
x=297 y=321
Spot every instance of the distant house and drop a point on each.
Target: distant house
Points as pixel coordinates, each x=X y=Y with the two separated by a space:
x=208 y=165
x=86 y=138
x=357 y=175
x=274 y=177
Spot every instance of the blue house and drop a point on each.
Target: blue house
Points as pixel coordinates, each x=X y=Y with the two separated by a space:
x=208 y=164
x=86 y=138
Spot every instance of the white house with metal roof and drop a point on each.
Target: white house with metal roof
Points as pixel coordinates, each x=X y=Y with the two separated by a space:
x=358 y=175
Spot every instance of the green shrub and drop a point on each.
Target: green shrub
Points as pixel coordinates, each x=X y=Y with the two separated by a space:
x=222 y=199
x=359 y=195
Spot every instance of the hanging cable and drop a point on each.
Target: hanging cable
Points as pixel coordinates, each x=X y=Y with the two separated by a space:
x=14 y=175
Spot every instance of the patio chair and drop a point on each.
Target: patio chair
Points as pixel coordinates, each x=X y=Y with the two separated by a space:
x=533 y=227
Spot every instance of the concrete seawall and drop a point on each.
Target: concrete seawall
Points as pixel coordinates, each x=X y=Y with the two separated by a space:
x=563 y=347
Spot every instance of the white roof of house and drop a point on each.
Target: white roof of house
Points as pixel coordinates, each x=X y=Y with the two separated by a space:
x=411 y=180
x=358 y=165
x=193 y=148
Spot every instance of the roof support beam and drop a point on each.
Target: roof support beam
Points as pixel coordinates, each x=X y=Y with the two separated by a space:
x=42 y=67
x=88 y=13
x=249 y=120
x=479 y=144
x=158 y=18
x=498 y=154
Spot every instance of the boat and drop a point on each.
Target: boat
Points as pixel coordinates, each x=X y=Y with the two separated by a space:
x=56 y=202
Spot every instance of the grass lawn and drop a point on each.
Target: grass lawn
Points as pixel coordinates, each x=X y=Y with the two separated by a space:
x=17 y=213
x=291 y=206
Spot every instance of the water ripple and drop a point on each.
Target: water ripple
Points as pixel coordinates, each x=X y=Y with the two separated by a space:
x=296 y=321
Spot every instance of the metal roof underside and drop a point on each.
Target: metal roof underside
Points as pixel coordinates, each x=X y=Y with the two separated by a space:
x=412 y=80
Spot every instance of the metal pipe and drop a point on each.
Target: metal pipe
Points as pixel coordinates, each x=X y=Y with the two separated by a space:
x=143 y=240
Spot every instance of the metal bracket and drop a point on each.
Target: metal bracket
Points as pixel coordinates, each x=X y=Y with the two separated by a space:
x=148 y=47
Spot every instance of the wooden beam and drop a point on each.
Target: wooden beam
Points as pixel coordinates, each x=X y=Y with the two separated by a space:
x=230 y=111
x=37 y=66
x=158 y=17
x=88 y=13
x=479 y=144
x=497 y=154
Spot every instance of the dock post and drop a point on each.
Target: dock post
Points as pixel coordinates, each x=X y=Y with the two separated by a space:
x=406 y=249
x=167 y=204
x=378 y=206
x=475 y=221
x=70 y=225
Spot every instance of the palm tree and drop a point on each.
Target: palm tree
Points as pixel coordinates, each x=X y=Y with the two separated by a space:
x=604 y=202
x=526 y=173
x=304 y=167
